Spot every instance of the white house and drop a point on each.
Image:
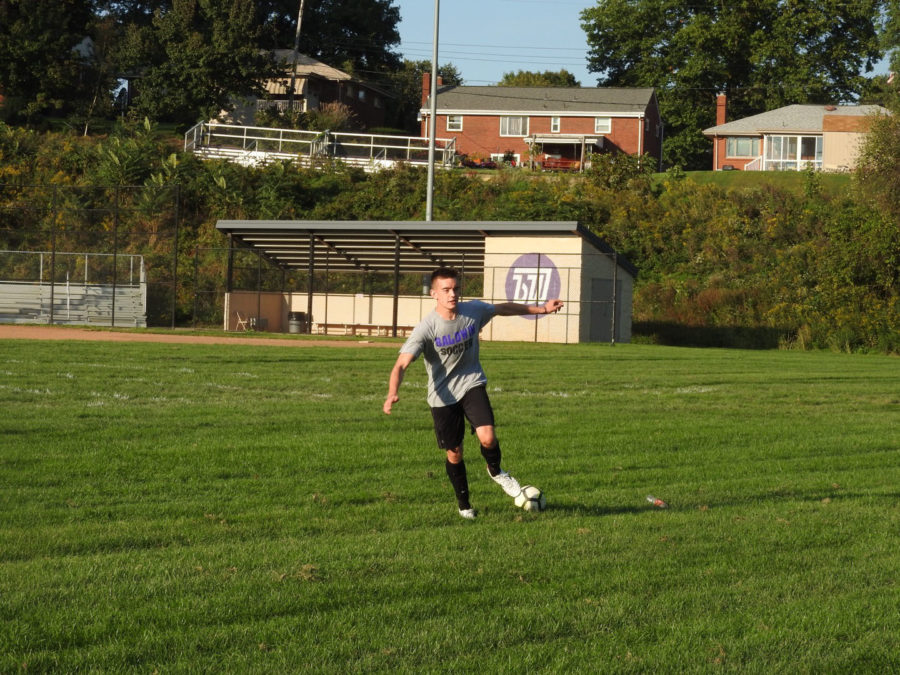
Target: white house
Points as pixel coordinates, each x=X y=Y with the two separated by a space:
x=825 y=137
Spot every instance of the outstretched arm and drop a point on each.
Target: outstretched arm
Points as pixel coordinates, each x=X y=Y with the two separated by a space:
x=397 y=373
x=516 y=309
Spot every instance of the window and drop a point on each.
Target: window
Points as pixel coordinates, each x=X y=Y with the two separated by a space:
x=602 y=125
x=793 y=152
x=454 y=123
x=554 y=125
x=513 y=126
x=811 y=148
x=362 y=94
x=741 y=146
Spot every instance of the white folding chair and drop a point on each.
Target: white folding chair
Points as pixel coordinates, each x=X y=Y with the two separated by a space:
x=243 y=322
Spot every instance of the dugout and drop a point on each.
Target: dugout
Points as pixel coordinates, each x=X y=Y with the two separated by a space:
x=498 y=261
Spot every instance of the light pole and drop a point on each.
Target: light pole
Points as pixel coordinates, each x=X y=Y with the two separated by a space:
x=296 y=57
x=429 y=199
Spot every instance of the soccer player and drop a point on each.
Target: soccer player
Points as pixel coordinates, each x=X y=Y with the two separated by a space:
x=448 y=338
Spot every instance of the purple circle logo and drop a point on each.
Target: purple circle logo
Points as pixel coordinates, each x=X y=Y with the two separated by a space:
x=532 y=280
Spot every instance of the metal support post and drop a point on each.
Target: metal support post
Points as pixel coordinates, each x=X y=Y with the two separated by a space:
x=175 y=255
x=615 y=295
x=396 y=285
x=54 y=202
x=309 y=291
x=115 y=255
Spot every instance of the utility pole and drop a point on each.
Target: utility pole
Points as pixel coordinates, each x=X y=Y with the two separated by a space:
x=429 y=199
x=296 y=57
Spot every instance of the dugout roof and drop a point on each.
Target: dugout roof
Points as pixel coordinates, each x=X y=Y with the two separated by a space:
x=389 y=246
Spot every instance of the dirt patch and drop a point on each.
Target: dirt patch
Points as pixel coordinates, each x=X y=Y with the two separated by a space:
x=21 y=332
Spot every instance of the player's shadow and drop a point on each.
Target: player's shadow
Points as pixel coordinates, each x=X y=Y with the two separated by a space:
x=594 y=510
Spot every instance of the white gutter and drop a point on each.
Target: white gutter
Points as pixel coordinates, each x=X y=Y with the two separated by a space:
x=640 y=136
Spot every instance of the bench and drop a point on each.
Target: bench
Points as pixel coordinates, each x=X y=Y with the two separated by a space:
x=362 y=329
x=559 y=164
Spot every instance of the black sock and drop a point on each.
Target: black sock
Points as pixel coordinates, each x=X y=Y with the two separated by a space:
x=457 y=475
x=492 y=457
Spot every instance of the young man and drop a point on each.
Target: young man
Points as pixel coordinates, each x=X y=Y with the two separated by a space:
x=448 y=337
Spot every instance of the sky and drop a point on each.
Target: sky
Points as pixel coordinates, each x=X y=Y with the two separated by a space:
x=486 y=38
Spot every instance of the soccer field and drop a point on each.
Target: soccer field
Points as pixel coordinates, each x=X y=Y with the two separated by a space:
x=232 y=508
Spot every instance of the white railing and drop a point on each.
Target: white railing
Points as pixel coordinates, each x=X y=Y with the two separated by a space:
x=755 y=165
x=123 y=269
x=338 y=145
x=792 y=164
x=213 y=134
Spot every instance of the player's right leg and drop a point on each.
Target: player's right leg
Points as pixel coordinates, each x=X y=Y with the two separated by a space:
x=449 y=429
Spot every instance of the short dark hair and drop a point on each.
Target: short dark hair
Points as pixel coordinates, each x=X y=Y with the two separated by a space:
x=444 y=273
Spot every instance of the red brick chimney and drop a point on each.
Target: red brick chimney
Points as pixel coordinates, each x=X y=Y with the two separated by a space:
x=720 y=109
x=426 y=86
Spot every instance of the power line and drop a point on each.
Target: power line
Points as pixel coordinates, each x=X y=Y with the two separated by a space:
x=505 y=49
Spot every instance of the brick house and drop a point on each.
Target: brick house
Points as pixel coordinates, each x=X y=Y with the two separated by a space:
x=315 y=83
x=557 y=127
x=825 y=137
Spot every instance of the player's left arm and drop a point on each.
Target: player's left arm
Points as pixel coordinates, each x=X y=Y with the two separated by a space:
x=517 y=309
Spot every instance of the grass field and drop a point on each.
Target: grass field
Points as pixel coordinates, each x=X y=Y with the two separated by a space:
x=184 y=508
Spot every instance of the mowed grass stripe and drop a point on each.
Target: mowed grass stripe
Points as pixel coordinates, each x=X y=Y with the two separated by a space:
x=239 y=508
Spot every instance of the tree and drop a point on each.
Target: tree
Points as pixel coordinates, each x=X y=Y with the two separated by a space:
x=406 y=86
x=890 y=37
x=762 y=55
x=39 y=63
x=355 y=36
x=198 y=57
x=886 y=89
x=881 y=90
x=878 y=166
x=131 y=12
x=549 y=78
x=100 y=71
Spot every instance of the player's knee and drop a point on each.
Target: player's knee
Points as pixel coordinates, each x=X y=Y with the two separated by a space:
x=486 y=436
x=454 y=455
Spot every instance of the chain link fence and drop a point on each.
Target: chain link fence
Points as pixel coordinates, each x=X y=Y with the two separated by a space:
x=61 y=238
x=107 y=239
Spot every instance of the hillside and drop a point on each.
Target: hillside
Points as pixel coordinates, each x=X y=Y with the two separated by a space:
x=725 y=259
x=833 y=184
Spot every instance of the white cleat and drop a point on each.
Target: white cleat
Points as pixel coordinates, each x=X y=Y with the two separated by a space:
x=509 y=484
x=468 y=514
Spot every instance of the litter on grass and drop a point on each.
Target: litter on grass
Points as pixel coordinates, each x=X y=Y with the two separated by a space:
x=657 y=502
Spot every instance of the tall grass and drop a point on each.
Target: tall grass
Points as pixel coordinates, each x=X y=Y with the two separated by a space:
x=250 y=509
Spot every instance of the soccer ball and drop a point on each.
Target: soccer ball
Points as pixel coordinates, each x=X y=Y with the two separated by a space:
x=531 y=499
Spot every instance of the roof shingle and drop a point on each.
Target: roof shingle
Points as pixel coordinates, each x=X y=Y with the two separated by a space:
x=544 y=99
x=792 y=119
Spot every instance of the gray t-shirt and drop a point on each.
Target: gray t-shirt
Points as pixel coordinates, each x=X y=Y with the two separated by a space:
x=451 y=351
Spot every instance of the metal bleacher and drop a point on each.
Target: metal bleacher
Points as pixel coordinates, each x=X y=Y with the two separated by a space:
x=83 y=302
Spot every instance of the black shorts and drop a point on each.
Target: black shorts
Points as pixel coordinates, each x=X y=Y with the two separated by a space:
x=450 y=420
